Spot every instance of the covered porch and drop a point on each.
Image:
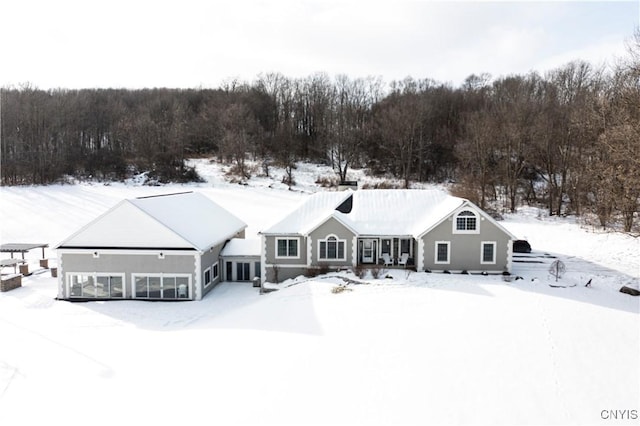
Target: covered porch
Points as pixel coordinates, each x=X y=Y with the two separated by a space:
x=389 y=251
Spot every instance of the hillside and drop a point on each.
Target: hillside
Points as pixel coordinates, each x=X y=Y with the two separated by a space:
x=411 y=348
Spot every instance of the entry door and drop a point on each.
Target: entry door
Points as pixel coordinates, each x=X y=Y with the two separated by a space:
x=368 y=250
x=242 y=271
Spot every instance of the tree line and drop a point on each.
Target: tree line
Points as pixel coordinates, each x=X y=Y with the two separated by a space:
x=568 y=140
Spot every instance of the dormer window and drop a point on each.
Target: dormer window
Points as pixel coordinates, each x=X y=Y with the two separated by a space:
x=466 y=222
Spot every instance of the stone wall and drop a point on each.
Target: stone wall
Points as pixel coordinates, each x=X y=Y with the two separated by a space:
x=10 y=283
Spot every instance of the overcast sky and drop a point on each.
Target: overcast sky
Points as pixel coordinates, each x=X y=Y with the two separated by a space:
x=192 y=43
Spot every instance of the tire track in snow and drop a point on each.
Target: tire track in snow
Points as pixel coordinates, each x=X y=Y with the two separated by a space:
x=559 y=395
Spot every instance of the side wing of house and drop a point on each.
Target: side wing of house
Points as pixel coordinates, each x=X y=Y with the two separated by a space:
x=330 y=244
x=129 y=274
x=210 y=269
x=466 y=240
x=284 y=256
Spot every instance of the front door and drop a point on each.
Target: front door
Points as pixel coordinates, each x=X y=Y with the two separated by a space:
x=368 y=250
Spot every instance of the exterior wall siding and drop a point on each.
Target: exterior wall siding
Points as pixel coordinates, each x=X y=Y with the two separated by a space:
x=127 y=264
x=254 y=267
x=466 y=249
x=282 y=273
x=207 y=260
x=270 y=250
x=332 y=227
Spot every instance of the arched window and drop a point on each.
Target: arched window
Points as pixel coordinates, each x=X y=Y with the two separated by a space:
x=466 y=222
x=331 y=248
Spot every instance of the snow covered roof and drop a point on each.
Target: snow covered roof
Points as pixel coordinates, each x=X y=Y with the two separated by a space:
x=242 y=247
x=184 y=220
x=373 y=212
x=310 y=213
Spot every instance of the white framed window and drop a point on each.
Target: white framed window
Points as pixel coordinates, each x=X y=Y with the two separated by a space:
x=215 y=271
x=331 y=248
x=287 y=248
x=161 y=286
x=442 y=252
x=206 y=279
x=488 y=253
x=466 y=222
x=96 y=285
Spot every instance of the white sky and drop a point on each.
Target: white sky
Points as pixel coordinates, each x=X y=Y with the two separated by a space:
x=192 y=43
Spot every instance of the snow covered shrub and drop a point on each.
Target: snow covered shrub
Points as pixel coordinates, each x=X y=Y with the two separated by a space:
x=376 y=271
x=384 y=184
x=327 y=181
x=360 y=271
x=314 y=271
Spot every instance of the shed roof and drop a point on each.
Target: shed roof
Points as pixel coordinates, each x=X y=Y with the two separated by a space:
x=186 y=220
x=242 y=247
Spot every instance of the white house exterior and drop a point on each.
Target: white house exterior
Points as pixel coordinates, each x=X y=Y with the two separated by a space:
x=428 y=230
x=151 y=248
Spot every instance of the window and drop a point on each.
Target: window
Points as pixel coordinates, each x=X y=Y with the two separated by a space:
x=161 y=286
x=442 y=252
x=242 y=271
x=207 y=277
x=214 y=271
x=331 y=248
x=488 y=252
x=466 y=222
x=104 y=286
x=258 y=269
x=405 y=246
x=287 y=248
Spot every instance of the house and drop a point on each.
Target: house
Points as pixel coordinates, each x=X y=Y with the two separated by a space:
x=241 y=259
x=163 y=247
x=428 y=230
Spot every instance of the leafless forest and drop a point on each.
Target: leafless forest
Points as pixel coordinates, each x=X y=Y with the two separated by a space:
x=568 y=139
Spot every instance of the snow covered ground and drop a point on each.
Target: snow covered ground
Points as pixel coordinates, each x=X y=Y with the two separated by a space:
x=413 y=348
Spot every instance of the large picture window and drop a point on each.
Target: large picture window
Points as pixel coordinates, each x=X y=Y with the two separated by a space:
x=466 y=222
x=161 y=286
x=287 y=248
x=99 y=286
x=331 y=248
x=443 y=252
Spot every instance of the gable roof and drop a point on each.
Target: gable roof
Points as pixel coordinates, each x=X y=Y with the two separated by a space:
x=374 y=212
x=186 y=220
x=310 y=213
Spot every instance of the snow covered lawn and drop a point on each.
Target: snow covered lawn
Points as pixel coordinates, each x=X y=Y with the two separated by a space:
x=415 y=348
